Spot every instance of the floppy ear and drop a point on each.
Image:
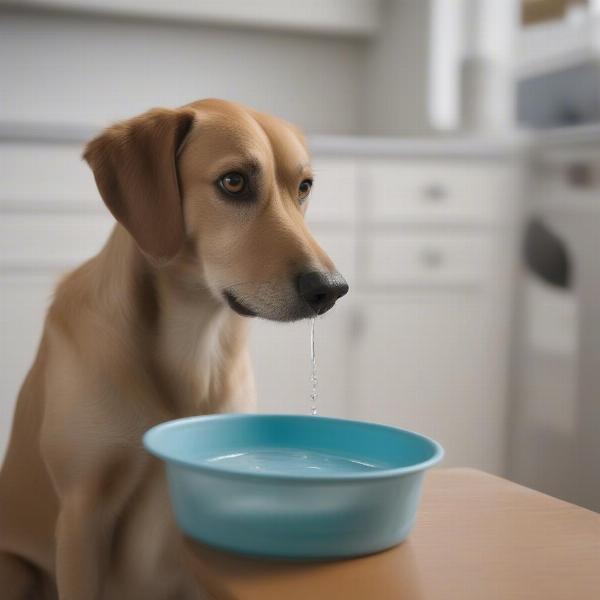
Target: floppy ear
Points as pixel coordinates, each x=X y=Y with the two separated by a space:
x=134 y=167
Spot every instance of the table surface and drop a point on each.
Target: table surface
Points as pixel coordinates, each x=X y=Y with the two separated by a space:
x=477 y=537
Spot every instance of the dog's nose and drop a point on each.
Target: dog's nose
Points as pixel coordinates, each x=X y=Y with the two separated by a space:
x=320 y=290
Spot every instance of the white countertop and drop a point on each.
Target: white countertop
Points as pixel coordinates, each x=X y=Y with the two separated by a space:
x=579 y=139
x=423 y=147
x=585 y=137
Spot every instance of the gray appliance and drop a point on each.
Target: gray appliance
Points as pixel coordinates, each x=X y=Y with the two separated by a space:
x=555 y=412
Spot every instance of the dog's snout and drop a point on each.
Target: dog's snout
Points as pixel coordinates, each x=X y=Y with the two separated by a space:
x=320 y=290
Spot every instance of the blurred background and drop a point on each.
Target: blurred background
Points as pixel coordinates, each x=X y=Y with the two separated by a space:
x=457 y=154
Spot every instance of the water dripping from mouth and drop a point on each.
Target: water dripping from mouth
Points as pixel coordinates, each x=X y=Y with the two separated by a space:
x=313 y=373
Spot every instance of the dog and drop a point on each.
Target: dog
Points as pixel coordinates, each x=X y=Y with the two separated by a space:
x=209 y=201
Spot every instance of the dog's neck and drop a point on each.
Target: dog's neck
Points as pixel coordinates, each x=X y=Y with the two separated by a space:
x=195 y=344
x=199 y=344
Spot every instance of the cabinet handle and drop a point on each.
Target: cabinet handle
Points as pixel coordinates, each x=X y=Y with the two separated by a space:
x=435 y=192
x=432 y=258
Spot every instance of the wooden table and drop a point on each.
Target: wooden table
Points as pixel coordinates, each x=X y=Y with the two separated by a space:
x=477 y=537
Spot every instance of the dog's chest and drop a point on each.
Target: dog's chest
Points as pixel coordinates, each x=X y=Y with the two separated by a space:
x=203 y=362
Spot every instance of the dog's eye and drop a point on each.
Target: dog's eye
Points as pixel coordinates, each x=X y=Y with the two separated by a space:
x=233 y=183
x=304 y=189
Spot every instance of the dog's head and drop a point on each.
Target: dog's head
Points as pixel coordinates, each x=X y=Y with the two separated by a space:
x=219 y=192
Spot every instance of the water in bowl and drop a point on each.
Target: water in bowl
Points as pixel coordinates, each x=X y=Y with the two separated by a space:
x=285 y=461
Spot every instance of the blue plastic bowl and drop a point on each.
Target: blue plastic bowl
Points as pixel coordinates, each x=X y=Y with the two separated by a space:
x=298 y=487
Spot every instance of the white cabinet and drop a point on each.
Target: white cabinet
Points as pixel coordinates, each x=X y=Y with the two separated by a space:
x=419 y=342
x=430 y=351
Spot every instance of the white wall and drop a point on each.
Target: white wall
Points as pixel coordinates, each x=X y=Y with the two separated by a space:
x=91 y=70
x=337 y=17
x=396 y=70
x=88 y=68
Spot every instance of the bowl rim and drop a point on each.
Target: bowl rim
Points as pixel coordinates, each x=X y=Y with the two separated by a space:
x=151 y=435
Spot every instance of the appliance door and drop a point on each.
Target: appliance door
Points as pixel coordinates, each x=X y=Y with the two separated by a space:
x=555 y=417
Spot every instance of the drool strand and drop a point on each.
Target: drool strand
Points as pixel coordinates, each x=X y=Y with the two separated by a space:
x=313 y=375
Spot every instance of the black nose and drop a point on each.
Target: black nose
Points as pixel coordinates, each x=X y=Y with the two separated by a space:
x=320 y=290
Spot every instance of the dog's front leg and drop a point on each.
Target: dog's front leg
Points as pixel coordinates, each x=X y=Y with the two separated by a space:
x=87 y=525
x=91 y=445
x=82 y=547
x=93 y=485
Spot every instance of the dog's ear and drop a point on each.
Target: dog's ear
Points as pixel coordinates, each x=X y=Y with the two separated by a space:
x=135 y=171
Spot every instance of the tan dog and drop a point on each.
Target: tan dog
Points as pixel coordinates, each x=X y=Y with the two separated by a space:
x=210 y=200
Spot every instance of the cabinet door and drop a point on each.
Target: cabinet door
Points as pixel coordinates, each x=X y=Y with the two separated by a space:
x=426 y=362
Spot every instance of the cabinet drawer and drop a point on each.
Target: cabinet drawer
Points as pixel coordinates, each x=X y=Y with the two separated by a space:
x=46 y=175
x=439 y=191
x=419 y=259
x=333 y=197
